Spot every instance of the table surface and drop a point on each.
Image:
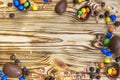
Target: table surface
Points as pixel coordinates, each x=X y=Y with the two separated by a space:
x=45 y=39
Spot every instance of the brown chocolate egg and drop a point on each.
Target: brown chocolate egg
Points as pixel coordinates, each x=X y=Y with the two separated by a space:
x=61 y=6
x=12 y=70
x=115 y=66
x=115 y=45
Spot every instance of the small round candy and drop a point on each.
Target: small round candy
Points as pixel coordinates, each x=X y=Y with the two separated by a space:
x=109 y=71
x=17 y=61
x=103 y=4
x=104 y=50
x=20 y=7
x=26 y=4
x=106 y=42
x=24 y=69
x=117 y=23
x=11 y=15
x=22 y=1
x=106 y=13
x=96 y=13
x=92 y=76
x=4 y=77
x=114 y=72
x=107 y=60
x=83 y=10
x=79 y=12
x=97 y=70
x=22 y=78
x=101 y=16
x=101 y=65
x=75 y=1
x=34 y=8
x=91 y=69
x=9 y=4
x=113 y=17
x=1 y=72
x=109 y=35
x=46 y=1
x=79 y=1
x=117 y=59
x=12 y=57
x=87 y=9
x=16 y=3
x=107 y=19
x=98 y=77
x=111 y=29
x=109 y=54
x=83 y=15
x=51 y=78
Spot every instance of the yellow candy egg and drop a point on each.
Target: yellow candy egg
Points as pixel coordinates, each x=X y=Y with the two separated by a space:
x=107 y=60
x=34 y=8
x=79 y=1
x=83 y=10
x=109 y=70
x=107 y=19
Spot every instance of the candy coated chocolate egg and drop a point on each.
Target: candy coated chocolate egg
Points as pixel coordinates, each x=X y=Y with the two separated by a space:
x=22 y=1
x=16 y=3
x=12 y=70
x=61 y=7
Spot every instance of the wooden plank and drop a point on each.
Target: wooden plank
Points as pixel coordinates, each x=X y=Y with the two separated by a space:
x=44 y=39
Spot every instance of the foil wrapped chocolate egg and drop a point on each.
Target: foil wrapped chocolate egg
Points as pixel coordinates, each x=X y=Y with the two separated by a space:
x=12 y=70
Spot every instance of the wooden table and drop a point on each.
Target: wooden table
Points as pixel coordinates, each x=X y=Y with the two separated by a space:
x=44 y=39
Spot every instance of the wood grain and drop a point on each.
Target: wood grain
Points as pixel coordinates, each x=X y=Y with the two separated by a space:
x=44 y=39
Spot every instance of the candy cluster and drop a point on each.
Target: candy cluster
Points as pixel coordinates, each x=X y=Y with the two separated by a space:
x=84 y=12
x=13 y=70
x=21 y=5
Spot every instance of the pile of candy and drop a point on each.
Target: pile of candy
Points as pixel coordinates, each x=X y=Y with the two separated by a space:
x=21 y=5
x=94 y=75
x=13 y=70
x=84 y=13
x=111 y=71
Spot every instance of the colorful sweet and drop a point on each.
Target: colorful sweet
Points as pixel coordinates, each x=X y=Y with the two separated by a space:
x=84 y=13
x=21 y=5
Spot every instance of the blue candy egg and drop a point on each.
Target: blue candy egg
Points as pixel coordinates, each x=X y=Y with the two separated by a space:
x=113 y=17
x=104 y=50
x=21 y=7
x=109 y=35
x=4 y=77
x=16 y=3
x=0 y=72
x=46 y=0
x=109 y=54
x=21 y=78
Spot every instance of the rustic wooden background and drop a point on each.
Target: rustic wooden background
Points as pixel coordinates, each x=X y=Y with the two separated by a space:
x=44 y=39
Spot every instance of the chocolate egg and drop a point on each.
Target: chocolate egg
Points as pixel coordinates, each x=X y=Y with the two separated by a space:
x=61 y=6
x=114 y=45
x=113 y=65
x=12 y=70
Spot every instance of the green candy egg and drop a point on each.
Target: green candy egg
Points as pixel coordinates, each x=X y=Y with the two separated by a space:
x=106 y=42
x=26 y=4
x=79 y=12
